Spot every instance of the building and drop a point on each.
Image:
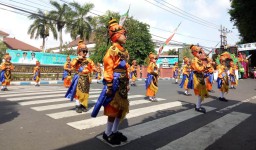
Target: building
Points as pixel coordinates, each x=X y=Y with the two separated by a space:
x=13 y=43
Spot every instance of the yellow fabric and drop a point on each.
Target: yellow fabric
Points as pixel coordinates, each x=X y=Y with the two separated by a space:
x=37 y=79
x=199 y=89
x=82 y=97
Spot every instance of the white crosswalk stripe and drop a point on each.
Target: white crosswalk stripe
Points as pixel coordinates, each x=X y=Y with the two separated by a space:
x=208 y=134
x=93 y=122
x=53 y=104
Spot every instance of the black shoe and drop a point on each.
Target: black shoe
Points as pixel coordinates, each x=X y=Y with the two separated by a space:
x=201 y=109
x=79 y=109
x=84 y=109
x=120 y=136
x=223 y=99
x=234 y=87
x=5 y=89
x=111 y=139
x=2 y=90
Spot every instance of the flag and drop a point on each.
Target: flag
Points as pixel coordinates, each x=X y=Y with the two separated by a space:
x=123 y=17
x=168 y=40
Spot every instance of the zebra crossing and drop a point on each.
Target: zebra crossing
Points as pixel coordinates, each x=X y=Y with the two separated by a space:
x=51 y=102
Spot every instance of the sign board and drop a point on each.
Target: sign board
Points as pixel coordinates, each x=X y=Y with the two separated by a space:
x=28 y=57
x=246 y=47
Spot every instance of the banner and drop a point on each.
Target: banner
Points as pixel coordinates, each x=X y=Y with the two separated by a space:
x=28 y=57
x=167 y=60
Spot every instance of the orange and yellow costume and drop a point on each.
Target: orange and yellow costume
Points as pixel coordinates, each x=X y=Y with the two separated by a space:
x=232 y=75
x=80 y=86
x=67 y=73
x=199 y=68
x=114 y=96
x=133 y=72
x=152 y=78
x=209 y=74
x=6 y=68
x=37 y=73
x=186 y=72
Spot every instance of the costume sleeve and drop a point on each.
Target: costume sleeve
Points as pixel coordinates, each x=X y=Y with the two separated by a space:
x=66 y=66
x=3 y=67
x=73 y=63
x=108 y=65
x=196 y=66
x=92 y=67
x=150 y=68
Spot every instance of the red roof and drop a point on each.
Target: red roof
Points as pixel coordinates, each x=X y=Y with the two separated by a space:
x=3 y=33
x=13 y=43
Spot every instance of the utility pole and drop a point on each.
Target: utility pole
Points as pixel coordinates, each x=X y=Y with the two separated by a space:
x=223 y=37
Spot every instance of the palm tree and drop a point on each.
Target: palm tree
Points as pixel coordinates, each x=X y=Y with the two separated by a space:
x=62 y=17
x=41 y=27
x=81 y=25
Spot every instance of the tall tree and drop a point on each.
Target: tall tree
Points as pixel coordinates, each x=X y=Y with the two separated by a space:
x=81 y=24
x=242 y=13
x=138 y=43
x=41 y=26
x=62 y=15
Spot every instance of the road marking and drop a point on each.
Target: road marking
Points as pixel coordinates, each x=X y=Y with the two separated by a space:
x=57 y=106
x=93 y=122
x=208 y=134
x=140 y=130
x=42 y=96
x=235 y=105
x=42 y=101
x=35 y=91
x=41 y=93
x=71 y=113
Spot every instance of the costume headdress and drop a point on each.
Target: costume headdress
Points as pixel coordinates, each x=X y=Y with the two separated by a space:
x=37 y=63
x=225 y=56
x=115 y=30
x=6 y=55
x=186 y=59
x=81 y=46
x=151 y=55
x=68 y=58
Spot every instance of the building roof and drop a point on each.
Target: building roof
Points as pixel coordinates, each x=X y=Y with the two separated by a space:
x=3 y=33
x=13 y=43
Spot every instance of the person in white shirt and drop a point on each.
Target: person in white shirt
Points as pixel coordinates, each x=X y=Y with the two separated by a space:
x=24 y=58
x=33 y=58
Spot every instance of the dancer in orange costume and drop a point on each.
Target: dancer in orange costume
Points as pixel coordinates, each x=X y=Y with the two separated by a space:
x=232 y=75
x=199 y=68
x=6 y=68
x=209 y=75
x=114 y=96
x=152 y=78
x=186 y=72
x=67 y=73
x=36 y=72
x=222 y=80
x=99 y=73
x=176 y=72
x=80 y=86
x=133 y=73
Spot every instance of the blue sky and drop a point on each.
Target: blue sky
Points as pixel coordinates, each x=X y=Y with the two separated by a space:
x=210 y=13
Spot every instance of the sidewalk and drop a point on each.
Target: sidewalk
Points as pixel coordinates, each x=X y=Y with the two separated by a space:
x=45 y=82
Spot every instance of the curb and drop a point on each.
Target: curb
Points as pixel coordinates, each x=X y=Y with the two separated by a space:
x=43 y=82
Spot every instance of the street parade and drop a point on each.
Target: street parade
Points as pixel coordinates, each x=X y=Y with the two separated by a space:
x=119 y=85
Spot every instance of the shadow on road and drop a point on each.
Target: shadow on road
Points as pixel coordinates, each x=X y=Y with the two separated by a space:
x=8 y=111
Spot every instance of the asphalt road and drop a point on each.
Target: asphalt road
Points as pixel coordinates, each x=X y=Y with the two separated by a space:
x=40 y=118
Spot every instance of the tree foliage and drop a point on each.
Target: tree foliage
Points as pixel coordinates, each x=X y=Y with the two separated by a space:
x=185 y=52
x=62 y=15
x=41 y=26
x=81 y=23
x=3 y=48
x=243 y=15
x=138 y=43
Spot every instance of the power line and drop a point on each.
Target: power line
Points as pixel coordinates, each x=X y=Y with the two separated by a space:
x=38 y=4
x=14 y=12
x=184 y=35
x=27 y=5
x=190 y=15
x=203 y=24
